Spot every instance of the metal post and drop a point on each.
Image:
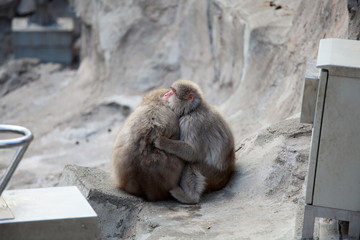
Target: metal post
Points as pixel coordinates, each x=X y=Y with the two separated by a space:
x=43 y=213
x=21 y=142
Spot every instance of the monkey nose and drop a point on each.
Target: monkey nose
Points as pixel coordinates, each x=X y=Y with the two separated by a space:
x=168 y=94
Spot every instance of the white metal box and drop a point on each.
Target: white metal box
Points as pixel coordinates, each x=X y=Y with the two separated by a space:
x=334 y=167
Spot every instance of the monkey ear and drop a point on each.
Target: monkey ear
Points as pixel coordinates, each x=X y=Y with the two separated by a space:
x=191 y=96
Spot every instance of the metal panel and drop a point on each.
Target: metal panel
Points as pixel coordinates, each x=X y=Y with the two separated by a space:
x=315 y=137
x=311 y=85
x=47 y=43
x=339 y=53
x=46 y=54
x=337 y=175
x=42 y=39
x=309 y=100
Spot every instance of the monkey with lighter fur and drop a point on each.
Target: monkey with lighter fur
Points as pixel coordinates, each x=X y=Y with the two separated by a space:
x=209 y=149
x=138 y=167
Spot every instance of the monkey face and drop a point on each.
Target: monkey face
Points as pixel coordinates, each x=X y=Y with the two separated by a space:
x=183 y=97
x=172 y=99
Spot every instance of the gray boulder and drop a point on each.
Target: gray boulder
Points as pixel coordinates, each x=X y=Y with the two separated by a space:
x=260 y=202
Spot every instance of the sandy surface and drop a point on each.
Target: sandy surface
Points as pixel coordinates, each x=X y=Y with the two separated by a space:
x=68 y=129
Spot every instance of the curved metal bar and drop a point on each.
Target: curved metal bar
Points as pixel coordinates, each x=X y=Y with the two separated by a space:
x=27 y=138
x=23 y=142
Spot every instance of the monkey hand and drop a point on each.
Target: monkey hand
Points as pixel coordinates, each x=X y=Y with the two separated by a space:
x=152 y=135
x=159 y=142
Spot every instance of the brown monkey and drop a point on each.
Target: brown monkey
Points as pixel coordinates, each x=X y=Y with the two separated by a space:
x=138 y=167
x=212 y=150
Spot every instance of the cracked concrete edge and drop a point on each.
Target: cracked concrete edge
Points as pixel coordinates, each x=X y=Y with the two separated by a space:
x=117 y=211
x=91 y=180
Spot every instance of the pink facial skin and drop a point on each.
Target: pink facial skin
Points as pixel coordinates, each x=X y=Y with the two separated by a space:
x=168 y=94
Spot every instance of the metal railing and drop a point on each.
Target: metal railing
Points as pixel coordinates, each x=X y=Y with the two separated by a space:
x=22 y=142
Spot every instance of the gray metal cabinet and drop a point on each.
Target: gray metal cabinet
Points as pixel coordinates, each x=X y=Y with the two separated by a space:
x=333 y=187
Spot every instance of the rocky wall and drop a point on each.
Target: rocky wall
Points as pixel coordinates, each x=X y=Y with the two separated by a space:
x=249 y=56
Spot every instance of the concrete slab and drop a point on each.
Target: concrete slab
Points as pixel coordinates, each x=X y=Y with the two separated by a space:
x=48 y=213
x=116 y=210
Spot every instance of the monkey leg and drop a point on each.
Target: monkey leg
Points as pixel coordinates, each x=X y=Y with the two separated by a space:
x=192 y=185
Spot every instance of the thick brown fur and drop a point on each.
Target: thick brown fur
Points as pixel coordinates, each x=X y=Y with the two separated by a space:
x=211 y=151
x=138 y=167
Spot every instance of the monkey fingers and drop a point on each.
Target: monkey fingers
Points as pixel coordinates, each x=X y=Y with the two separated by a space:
x=157 y=142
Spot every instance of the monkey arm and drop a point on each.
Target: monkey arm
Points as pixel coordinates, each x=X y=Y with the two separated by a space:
x=181 y=149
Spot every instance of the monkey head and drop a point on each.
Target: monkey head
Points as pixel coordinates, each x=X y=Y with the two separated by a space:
x=184 y=97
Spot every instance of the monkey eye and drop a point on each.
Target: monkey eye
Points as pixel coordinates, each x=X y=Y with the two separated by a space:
x=173 y=90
